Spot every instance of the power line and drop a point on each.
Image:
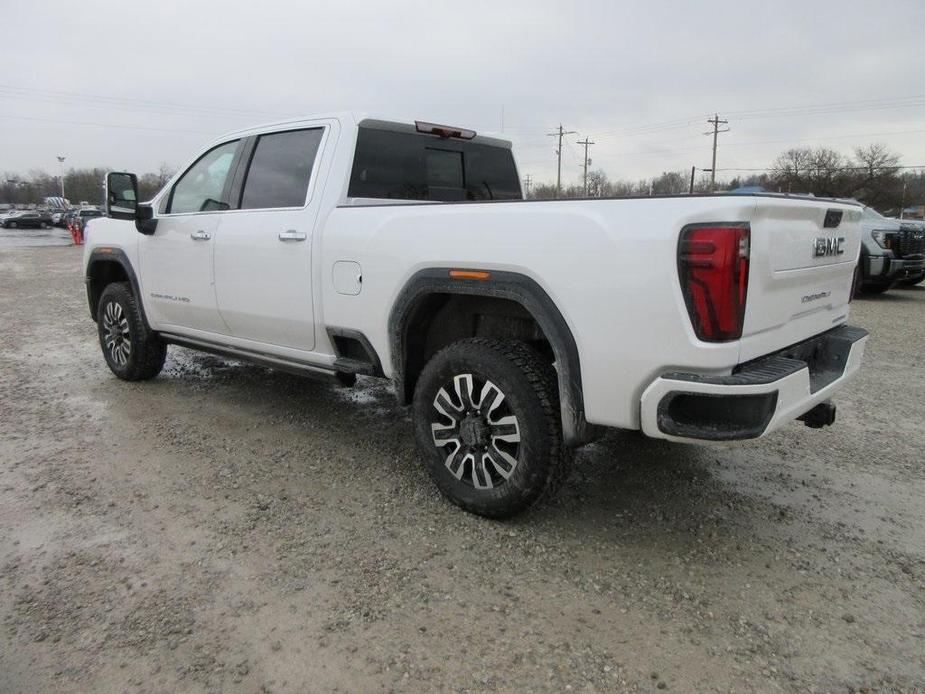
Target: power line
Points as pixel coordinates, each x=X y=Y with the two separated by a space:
x=773 y=112
x=103 y=125
x=715 y=122
x=560 y=134
x=99 y=100
x=837 y=168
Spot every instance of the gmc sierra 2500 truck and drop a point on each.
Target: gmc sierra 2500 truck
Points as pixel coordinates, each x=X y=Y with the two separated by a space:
x=518 y=330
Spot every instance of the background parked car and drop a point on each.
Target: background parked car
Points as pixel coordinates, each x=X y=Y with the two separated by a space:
x=34 y=220
x=892 y=251
x=917 y=227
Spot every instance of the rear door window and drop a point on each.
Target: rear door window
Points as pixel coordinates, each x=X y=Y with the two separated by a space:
x=280 y=169
x=411 y=166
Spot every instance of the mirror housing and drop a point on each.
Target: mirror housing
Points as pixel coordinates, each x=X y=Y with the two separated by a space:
x=121 y=195
x=122 y=202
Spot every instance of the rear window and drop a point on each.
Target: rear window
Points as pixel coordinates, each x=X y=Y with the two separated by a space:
x=408 y=166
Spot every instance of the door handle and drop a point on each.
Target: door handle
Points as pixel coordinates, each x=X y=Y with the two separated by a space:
x=200 y=235
x=292 y=235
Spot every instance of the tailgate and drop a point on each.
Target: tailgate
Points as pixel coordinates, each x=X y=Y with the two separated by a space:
x=803 y=256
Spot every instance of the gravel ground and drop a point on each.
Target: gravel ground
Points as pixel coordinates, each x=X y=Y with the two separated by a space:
x=225 y=528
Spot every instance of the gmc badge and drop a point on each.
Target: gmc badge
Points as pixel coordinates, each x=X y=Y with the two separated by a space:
x=828 y=245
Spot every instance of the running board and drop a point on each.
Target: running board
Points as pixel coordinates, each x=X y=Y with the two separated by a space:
x=270 y=361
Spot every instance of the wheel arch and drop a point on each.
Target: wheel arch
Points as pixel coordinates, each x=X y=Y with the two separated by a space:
x=428 y=290
x=105 y=266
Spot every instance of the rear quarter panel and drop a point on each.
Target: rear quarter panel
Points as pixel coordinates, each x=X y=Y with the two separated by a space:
x=610 y=266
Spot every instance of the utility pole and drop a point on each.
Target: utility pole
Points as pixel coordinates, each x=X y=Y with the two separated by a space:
x=586 y=143
x=528 y=181
x=560 y=134
x=61 y=168
x=693 y=169
x=715 y=122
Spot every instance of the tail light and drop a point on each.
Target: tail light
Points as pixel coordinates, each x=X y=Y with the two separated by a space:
x=713 y=268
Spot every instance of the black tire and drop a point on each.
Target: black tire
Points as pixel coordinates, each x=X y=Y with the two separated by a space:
x=131 y=350
x=13 y=225
x=912 y=282
x=43 y=225
x=493 y=486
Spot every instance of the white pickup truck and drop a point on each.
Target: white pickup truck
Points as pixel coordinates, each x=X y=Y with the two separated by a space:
x=518 y=330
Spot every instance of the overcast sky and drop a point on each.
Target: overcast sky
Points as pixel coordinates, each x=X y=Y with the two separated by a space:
x=131 y=85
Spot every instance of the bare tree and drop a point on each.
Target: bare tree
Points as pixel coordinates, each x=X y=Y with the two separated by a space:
x=818 y=171
x=598 y=184
x=876 y=178
x=670 y=183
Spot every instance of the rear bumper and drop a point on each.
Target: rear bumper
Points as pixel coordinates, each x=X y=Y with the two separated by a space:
x=758 y=397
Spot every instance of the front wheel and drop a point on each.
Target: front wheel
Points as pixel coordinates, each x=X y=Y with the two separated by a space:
x=13 y=225
x=43 y=225
x=132 y=352
x=487 y=424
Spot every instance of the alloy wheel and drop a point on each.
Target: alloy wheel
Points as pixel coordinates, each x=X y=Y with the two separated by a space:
x=116 y=333
x=480 y=436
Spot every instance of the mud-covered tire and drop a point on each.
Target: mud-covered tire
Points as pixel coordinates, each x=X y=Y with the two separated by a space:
x=465 y=399
x=131 y=350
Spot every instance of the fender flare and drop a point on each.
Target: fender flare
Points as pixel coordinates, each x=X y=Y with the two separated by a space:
x=531 y=296
x=118 y=256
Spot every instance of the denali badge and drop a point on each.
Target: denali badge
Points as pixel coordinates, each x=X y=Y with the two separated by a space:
x=828 y=245
x=815 y=297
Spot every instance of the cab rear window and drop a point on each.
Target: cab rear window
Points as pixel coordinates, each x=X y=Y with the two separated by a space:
x=408 y=166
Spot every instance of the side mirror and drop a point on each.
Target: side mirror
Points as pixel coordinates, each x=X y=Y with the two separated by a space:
x=121 y=195
x=122 y=202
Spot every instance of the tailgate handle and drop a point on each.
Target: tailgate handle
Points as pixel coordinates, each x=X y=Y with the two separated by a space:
x=832 y=219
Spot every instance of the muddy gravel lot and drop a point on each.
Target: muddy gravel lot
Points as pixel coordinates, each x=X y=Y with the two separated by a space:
x=225 y=528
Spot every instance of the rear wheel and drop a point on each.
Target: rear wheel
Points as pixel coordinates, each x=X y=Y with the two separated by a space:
x=487 y=425
x=13 y=225
x=132 y=352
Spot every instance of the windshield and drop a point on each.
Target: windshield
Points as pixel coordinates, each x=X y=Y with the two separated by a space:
x=872 y=214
